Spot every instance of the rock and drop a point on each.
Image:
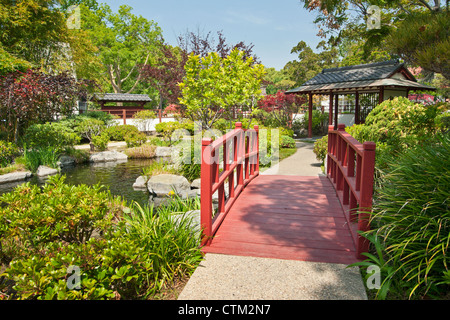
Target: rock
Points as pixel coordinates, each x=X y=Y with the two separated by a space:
x=107 y=156
x=196 y=184
x=44 y=171
x=141 y=183
x=163 y=184
x=14 y=176
x=66 y=161
x=163 y=151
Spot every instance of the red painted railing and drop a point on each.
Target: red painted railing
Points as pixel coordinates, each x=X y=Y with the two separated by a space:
x=239 y=150
x=350 y=167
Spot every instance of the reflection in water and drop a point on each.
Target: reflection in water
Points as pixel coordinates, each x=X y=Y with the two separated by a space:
x=117 y=176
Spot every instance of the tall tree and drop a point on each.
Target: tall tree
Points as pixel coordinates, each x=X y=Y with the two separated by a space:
x=397 y=20
x=34 y=97
x=165 y=73
x=125 y=42
x=32 y=29
x=310 y=63
x=213 y=85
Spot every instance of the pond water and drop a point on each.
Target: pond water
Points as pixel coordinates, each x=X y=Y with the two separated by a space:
x=119 y=177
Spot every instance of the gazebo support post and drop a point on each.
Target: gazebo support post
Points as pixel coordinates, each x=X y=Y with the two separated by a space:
x=330 y=110
x=336 y=111
x=310 y=105
x=357 y=108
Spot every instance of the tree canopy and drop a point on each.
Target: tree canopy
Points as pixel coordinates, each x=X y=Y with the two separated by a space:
x=214 y=85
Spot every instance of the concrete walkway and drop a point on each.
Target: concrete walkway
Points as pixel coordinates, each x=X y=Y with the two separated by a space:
x=226 y=277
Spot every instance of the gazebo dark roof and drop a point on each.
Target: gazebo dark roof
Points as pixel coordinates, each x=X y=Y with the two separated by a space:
x=362 y=77
x=121 y=97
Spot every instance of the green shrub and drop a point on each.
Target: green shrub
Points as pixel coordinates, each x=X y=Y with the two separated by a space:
x=135 y=139
x=50 y=134
x=412 y=218
x=100 y=142
x=118 y=133
x=287 y=142
x=321 y=148
x=105 y=117
x=7 y=153
x=166 y=129
x=121 y=253
x=57 y=211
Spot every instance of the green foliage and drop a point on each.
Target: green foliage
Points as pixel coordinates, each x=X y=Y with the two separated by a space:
x=422 y=39
x=58 y=211
x=135 y=139
x=398 y=124
x=145 y=115
x=287 y=142
x=10 y=63
x=321 y=148
x=412 y=217
x=118 y=132
x=167 y=129
x=7 y=153
x=51 y=134
x=213 y=85
x=90 y=128
x=100 y=142
x=319 y=122
x=158 y=167
x=173 y=243
x=99 y=115
x=46 y=156
x=121 y=253
x=125 y=41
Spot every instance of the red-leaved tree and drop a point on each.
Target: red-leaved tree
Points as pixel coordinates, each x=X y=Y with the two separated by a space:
x=36 y=97
x=280 y=107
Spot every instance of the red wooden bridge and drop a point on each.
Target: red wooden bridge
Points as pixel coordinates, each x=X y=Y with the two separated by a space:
x=286 y=217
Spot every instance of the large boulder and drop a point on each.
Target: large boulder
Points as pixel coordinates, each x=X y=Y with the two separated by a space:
x=44 y=171
x=14 y=176
x=162 y=185
x=66 y=161
x=107 y=156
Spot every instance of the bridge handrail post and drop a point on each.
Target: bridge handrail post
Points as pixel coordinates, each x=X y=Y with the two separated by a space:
x=366 y=193
x=206 y=191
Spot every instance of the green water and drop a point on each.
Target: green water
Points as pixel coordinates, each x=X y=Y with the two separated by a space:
x=119 y=177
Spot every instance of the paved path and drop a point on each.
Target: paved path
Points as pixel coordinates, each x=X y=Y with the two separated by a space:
x=228 y=277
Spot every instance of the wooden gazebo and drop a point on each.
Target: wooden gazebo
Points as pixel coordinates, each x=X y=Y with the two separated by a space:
x=371 y=84
x=124 y=105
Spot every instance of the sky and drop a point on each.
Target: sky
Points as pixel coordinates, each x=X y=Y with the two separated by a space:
x=273 y=27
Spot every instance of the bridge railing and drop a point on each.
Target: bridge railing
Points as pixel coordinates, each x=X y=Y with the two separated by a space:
x=229 y=162
x=350 y=167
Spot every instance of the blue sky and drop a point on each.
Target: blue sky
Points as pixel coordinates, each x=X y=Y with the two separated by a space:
x=274 y=27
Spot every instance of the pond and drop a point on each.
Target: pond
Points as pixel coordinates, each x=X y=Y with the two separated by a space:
x=119 y=177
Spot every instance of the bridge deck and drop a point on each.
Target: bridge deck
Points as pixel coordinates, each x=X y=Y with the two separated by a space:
x=287 y=217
